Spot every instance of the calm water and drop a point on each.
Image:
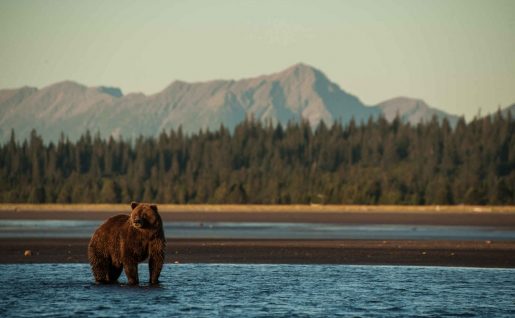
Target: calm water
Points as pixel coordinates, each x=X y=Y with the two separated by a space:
x=207 y=290
x=257 y=230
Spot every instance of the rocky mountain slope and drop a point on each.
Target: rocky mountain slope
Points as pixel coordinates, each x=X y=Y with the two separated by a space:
x=299 y=92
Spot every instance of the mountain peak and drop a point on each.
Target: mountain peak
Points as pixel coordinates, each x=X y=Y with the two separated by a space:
x=65 y=85
x=300 y=70
x=403 y=103
x=301 y=67
x=406 y=99
x=413 y=110
x=113 y=91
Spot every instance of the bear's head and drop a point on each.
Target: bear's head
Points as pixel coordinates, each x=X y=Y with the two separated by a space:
x=145 y=216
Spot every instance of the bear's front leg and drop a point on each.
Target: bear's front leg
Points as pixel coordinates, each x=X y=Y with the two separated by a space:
x=155 y=264
x=131 y=271
x=156 y=260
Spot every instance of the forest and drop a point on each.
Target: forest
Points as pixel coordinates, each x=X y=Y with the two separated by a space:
x=376 y=162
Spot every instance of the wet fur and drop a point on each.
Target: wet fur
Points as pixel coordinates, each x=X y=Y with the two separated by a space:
x=120 y=243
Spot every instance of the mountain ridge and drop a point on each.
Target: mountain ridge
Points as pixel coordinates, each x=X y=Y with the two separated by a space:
x=299 y=92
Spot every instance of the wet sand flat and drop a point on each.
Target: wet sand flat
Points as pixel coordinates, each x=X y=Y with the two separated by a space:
x=444 y=252
x=398 y=252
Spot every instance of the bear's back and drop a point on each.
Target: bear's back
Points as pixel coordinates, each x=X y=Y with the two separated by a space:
x=117 y=220
x=109 y=231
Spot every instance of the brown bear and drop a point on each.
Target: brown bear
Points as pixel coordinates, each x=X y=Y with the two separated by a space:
x=123 y=241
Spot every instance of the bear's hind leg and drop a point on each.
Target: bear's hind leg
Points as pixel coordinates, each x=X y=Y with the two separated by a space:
x=114 y=273
x=100 y=272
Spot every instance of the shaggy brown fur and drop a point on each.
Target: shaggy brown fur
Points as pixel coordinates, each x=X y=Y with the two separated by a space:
x=123 y=241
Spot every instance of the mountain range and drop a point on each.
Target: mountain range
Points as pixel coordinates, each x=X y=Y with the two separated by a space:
x=299 y=92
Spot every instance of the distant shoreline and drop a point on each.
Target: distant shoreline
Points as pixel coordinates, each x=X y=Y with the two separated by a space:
x=494 y=216
x=262 y=208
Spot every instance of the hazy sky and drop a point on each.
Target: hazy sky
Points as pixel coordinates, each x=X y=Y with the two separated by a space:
x=459 y=56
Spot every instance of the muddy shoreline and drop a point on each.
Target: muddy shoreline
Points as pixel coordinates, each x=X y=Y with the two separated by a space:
x=473 y=253
x=359 y=252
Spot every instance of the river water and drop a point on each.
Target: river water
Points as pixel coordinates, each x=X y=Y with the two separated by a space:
x=262 y=230
x=213 y=290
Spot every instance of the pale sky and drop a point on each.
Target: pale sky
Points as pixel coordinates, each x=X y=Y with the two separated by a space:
x=457 y=55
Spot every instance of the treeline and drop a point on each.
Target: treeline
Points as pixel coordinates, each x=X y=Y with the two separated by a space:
x=374 y=163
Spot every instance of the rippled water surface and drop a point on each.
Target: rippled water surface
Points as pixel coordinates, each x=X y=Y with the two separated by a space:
x=207 y=290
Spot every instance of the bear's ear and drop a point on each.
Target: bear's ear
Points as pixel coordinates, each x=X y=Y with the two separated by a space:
x=134 y=204
x=153 y=207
